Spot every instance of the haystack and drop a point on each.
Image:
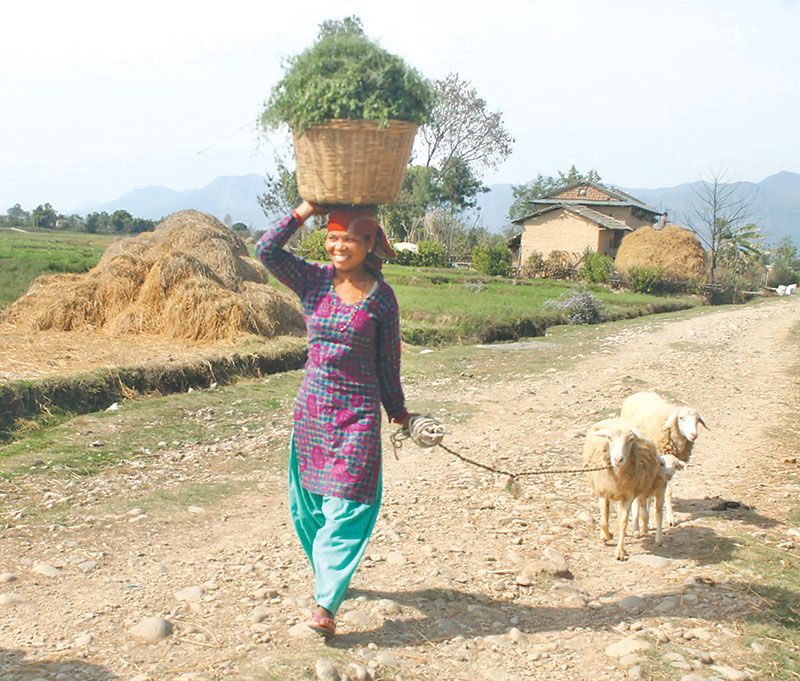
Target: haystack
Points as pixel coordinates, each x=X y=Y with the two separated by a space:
x=190 y=278
x=676 y=250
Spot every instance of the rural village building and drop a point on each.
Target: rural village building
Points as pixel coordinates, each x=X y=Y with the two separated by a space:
x=581 y=216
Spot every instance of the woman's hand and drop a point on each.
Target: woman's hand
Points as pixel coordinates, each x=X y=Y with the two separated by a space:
x=404 y=419
x=306 y=209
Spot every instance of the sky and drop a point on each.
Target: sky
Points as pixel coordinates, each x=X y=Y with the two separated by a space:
x=99 y=98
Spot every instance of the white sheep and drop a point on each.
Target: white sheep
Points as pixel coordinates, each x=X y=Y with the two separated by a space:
x=669 y=464
x=672 y=427
x=634 y=470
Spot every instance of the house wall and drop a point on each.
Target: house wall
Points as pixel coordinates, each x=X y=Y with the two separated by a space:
x=623 y=214
x=558 y=231
x=591 y=194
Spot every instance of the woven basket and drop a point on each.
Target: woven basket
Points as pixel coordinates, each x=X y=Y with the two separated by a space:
x=353 y=162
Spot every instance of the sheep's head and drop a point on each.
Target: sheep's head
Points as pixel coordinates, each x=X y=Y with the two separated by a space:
x=684 y=422
x=621 y=443
x=670 y=464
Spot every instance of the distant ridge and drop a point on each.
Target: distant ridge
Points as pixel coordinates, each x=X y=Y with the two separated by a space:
x=776 y=202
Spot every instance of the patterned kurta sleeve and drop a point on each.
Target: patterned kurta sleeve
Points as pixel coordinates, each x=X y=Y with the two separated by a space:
x=289 y=269
x=388 y=359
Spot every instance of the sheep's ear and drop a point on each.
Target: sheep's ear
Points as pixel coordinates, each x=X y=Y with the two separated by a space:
x=601 y=433
x=700 y=420
x=672 y=420
x=678 y=465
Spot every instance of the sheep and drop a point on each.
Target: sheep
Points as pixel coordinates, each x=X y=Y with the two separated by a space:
x=669 y=465
x=671 y=426
x=633 y=471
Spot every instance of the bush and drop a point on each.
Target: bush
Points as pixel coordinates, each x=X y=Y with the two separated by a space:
x=345 y=75
x=405 y=257
x=534 y=265
x=312 y=245
x=492 y=260
x=645 y=279
x=431 y=254
x=557 y=265
x=579 y=306
x=597 y=268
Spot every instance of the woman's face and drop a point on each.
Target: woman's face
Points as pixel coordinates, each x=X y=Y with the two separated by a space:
x=347 y=251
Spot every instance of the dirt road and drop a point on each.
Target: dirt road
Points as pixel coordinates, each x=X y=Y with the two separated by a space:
x=462 y=580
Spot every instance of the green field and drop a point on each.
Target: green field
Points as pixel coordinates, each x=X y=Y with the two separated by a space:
x=27 y=255
x=437 y=305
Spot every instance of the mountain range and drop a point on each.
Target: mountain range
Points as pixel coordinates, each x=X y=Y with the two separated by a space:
x=775 y=202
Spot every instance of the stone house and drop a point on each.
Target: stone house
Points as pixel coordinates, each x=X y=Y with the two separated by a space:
x=581 y=216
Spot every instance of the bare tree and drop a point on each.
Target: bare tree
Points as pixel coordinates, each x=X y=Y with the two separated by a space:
x=718 y=213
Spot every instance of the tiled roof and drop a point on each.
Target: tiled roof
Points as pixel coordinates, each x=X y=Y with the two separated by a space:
x=598 y=218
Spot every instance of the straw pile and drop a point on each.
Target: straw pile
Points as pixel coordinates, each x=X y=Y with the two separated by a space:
x=190 y=278
x=676 y=250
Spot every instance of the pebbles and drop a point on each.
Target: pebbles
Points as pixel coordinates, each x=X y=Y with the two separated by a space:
x=151 y=629
x=46 y=570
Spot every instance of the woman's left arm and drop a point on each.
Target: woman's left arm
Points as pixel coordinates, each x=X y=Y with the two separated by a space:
x=388 y=362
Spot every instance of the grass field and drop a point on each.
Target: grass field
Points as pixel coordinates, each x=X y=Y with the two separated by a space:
x=27 y=255
x=437 y=305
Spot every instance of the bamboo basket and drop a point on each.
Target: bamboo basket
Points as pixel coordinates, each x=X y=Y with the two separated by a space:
x=353 y=162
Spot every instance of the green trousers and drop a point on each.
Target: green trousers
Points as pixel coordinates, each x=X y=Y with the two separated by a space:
x=334 y=533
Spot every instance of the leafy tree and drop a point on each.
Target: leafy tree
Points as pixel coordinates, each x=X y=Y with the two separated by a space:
x=280 y=195
x=351 y=25
x=543 y=185
x=431 y=254
x=44 y=217
x=96 y=222
x=241 y=229
x=138 y=225
x=785 y=263
x=120 y=221
x=17 y=215
x=597 y=268
x=312 y=246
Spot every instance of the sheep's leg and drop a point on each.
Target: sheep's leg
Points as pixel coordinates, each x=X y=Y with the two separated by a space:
x=635 y=512
x=604 y=533
x=643 y=504
x=668 y=505
x=659 y=539
x=624 y=509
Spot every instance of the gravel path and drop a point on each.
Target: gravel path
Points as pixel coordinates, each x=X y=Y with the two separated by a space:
x=462 y=580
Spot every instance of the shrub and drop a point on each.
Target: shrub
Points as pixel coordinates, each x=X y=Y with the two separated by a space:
x=492 y=260
x=579 y=306
x=312 y=245
x=345 y=75
x=645 y=279
x=597 y=268
x=431 y=254
x=557 y=265
x=406 y=257
x=534 y=265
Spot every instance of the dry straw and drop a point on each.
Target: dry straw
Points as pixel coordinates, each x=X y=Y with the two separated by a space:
x=190 y=278
x=676 y=250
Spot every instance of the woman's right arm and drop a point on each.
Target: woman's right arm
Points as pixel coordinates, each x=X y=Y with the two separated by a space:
x=288 y=268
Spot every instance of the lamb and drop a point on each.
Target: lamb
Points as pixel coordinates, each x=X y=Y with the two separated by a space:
x=669 y=465
x=671 y=426
x=634 y=470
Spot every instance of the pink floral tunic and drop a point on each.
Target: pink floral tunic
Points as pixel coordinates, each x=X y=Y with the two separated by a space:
x=353 y=366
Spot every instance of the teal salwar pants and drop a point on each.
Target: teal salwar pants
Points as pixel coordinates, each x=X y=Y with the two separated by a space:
x=334 y=533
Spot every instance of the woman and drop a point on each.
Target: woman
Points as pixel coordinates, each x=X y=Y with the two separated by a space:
x=353 y=366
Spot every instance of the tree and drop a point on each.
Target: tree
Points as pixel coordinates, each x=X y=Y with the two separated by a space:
x=227 y=220
x=241 y=229
x=718 y=214
x=17 y=215
x=120 y=221
x=281 y=194
x=351 y=24
x=44 y=217
x=524 y=194
x=785 y=263
x=96 y=222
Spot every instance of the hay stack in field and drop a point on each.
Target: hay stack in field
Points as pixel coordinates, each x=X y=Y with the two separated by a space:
x=190 y=278
x=676 y=250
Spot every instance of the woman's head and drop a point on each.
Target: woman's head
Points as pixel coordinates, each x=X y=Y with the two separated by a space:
x=355 y=240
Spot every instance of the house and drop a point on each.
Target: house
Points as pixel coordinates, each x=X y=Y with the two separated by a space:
x=580 y=216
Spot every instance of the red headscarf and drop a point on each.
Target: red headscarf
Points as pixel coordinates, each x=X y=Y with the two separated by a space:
x=361 y=221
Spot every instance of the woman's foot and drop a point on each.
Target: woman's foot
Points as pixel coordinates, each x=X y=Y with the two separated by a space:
x=322 y=622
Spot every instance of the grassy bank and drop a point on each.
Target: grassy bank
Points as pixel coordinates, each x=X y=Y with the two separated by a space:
x=27 y=255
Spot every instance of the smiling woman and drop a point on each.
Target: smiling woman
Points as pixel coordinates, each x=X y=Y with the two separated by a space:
x=353 y=367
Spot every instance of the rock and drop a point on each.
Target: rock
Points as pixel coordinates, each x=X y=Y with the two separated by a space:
x=260 y=613
x=325 y=670
x=630 y=660
x=196 y=509
x=46 y=570
x=635 y=673
x=82 y=641
x=516 y=635
x=731 y=674
x=386 y=660
x=7 y=577
x=357 y=618
x=355 y=672
x=396 y=558
x=627 y=646
x=658 y=562
x=693 y=677
x=151 y=629
x=632 y=603
x=302 y=630
x=87 y=566
x=140 y=677
x=191 y=594
x=113 y=407
x=555 y=564
x=11 y=599
x=667 y=604
x=699 y=633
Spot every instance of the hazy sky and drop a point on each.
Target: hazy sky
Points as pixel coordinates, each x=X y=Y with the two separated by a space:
x=99 y=98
